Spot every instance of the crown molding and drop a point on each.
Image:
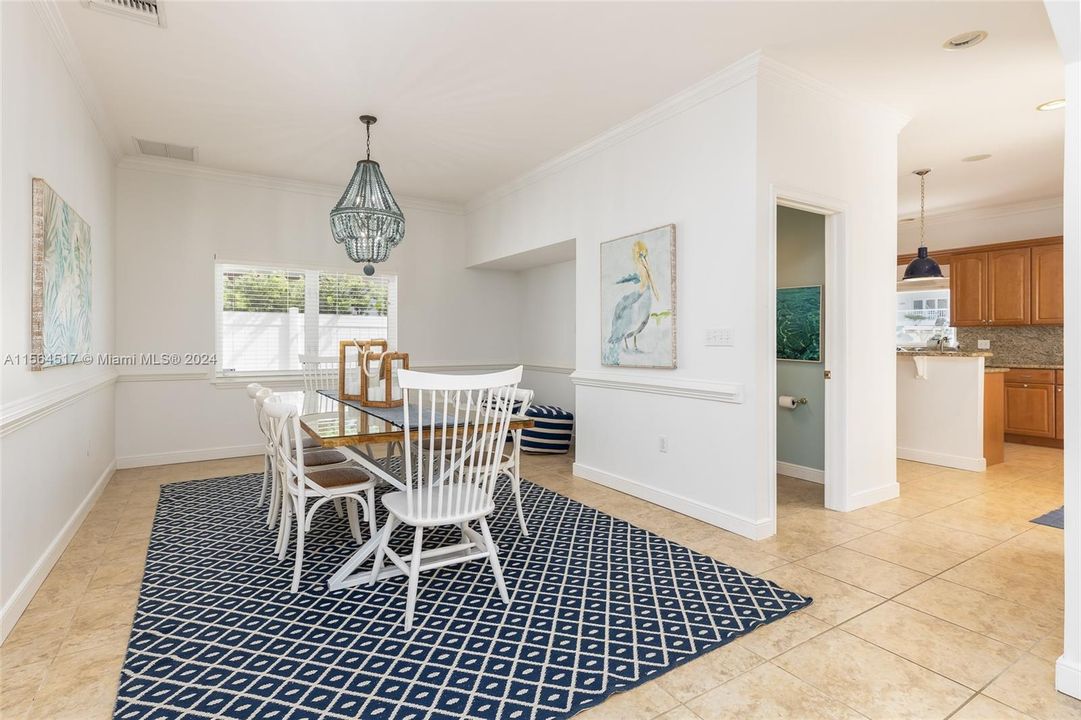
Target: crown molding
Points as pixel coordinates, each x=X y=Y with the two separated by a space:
x=746 y=68
x=773 y=70
x=730 y=77
x=182 y=168
x=967 y=213
x=48 y=12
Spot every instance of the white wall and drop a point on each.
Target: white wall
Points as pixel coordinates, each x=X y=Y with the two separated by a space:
x=983 y=226
x=546 y=332
x=57 y=435
x=1066 y=21
x=173 y=220
x=841 y=152
x=700 y=161
x=691 y=163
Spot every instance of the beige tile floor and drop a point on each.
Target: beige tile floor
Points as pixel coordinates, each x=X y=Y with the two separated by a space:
x=945 y=602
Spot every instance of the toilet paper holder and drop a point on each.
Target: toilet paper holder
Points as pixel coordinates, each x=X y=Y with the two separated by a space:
x=795 y=402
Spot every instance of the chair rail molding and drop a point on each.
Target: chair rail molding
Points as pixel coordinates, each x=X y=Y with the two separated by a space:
x=20 y=413
x=673 y=387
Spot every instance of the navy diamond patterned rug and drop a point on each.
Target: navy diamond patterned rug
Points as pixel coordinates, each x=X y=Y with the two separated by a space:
x=598 y=606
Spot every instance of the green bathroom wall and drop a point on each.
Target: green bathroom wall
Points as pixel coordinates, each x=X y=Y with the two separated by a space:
x=801 y=260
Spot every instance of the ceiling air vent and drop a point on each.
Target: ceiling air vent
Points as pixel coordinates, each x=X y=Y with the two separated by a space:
x=145 y=11
x=165 y=150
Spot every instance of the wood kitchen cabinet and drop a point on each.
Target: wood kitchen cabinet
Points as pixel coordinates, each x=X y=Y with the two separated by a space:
x=1047 y=280
x=1059 y=414
x=991 y=288
x=1030 y=409
x=1034 y=406
x=968 y=289
x=1008 y=287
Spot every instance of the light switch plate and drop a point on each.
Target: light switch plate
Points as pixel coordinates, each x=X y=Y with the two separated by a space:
x=983 y=344
x=719 y=337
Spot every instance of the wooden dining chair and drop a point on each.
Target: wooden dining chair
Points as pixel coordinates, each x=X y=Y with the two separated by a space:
x=301 y=483
x=315 y=455
x=453 y=481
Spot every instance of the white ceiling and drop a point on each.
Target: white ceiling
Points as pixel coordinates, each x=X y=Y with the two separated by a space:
x=471 y=95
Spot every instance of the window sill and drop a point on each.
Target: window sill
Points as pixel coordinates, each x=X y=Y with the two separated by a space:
x=274 y=380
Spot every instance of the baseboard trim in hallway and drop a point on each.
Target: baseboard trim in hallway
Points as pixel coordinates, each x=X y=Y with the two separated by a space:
x=20 y=599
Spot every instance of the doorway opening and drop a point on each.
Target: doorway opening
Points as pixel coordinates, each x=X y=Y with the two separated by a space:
x=801 y=362
x=808 y=257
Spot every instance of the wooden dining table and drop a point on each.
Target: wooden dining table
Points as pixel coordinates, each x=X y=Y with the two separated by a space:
x=369 y=437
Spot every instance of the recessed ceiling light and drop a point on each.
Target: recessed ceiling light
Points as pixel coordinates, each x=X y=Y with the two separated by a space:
x=1052 y=105
x=976 y=158
x=965 y=40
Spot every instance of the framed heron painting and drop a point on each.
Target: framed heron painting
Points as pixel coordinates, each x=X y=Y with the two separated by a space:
x=638 y=299
x=799 y=323
x=61 y=284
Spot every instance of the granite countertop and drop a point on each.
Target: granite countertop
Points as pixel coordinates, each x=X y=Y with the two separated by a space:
x=942 y=353
x=995 y=369
x=1027 y=366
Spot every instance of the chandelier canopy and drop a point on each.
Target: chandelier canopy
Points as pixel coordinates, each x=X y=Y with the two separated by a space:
x=367 y=219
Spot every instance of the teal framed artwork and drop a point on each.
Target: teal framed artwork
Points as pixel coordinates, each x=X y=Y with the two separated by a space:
x=61 y=283
x=799 y=323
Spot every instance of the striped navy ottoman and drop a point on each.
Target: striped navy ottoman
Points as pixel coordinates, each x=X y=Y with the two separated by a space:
x=551 y=431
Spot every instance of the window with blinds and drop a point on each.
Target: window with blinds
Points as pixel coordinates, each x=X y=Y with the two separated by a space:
x=267 y=317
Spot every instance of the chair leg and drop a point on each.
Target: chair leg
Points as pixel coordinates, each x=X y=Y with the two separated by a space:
x=373 y=528
x=266 y=479
x=284 y=528
x=381 y=551
x=300 y=549
x=339 y=508
x=277 y=492
x=516 y=489
x=414 y=577
x=351 y=509
x=494 y=558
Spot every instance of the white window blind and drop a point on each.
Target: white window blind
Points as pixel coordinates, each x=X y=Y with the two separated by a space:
x=266 y=317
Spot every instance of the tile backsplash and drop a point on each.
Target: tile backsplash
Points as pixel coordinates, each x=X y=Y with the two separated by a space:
x=1022 y=345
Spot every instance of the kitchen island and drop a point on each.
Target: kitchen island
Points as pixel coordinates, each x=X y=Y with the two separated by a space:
x=949 y=409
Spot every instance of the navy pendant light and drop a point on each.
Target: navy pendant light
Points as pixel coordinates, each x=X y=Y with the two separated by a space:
x=922 y=267
x=367 y=220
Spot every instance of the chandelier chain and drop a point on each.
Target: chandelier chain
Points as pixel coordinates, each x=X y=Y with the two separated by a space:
x=368 y=133
x=923 y=199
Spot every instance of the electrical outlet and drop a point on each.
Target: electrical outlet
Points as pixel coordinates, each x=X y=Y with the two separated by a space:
x=983 y=344
x=662 y=443
x=719 y=337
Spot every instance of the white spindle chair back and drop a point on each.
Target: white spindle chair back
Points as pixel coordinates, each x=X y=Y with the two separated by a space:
x=467 y=418
x=320 y=372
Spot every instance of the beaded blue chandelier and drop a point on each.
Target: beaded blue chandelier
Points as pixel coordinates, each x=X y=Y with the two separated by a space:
x=367 y=219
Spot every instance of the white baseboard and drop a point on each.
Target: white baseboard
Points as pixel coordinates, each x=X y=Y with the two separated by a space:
x=961 y=462
x=186 y=456
x=755 y=530
x=882 y=493
x=801 y=472
x=1068 y=678
x=23 y=594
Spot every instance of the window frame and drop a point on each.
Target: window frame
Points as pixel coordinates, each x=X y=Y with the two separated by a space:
x=221 y=376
